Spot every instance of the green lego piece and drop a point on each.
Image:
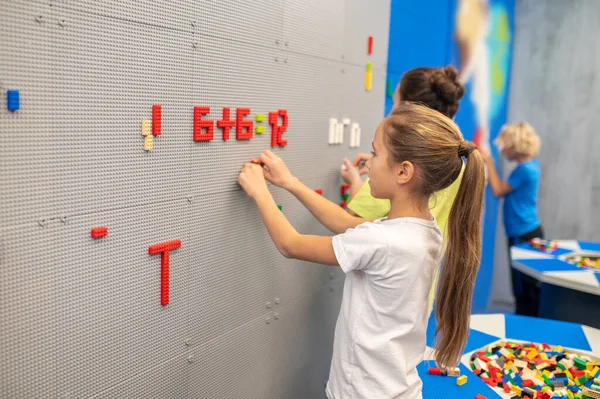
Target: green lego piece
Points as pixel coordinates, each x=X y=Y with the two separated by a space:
x=580 y=363
x=582 y=380
x=280 y=207
x=561 y=366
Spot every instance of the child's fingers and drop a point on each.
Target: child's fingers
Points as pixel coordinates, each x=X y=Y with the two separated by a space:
x=360 y=158
x=265 y=159
x=269 y=154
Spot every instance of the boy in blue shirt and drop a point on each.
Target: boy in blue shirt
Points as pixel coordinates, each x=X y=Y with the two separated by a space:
x=519 y=142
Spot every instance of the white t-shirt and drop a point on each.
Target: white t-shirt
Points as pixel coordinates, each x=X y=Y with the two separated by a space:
x=380 y=331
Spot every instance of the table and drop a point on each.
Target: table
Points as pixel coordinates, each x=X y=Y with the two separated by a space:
x=568 y=292
x=487 y=329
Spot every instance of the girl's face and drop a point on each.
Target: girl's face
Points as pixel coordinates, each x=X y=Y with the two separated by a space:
x=381 y=173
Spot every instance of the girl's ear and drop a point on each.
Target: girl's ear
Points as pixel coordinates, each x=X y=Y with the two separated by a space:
x=405 y=171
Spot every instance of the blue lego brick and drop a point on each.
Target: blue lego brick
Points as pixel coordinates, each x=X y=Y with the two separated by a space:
x=13 y=102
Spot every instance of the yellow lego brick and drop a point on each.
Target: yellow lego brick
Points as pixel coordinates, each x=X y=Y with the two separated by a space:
x=558 y=349
x=462 y=380
x=532 y=354
x=148 y=142
x=544 y=356
x=369 y=80
x=146 y=127
x=259 y=129
x=260 y=117
x=569 y=375
x=517 y=390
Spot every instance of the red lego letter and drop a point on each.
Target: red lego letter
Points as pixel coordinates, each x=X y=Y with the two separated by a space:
x=200 y=124
x=277 y=131
x=164 y=249
x=243 y=129
x=226 y=124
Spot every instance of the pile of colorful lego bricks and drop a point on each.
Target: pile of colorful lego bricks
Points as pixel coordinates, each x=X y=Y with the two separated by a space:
x=527 y=370
x=544 y=245
x=588 y=262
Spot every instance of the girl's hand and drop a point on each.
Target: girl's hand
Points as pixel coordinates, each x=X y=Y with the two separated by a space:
x=252 y=180
x=360 y=162
x=276 y=170
x=350 y=173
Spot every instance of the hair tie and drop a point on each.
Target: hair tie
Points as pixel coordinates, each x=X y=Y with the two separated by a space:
x=466 y=148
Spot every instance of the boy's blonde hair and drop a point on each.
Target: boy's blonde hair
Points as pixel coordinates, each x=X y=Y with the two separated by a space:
x=520 y=137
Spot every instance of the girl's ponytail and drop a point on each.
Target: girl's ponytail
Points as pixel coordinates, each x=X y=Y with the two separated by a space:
x=461 y=262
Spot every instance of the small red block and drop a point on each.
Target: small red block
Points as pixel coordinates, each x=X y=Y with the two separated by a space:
x=480 y=396
x=434 y=370
x=370 y=47
x=156 y=119
x=99 y=232
x=319 y=191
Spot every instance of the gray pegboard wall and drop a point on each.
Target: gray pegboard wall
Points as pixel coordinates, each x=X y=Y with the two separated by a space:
x=82 y=317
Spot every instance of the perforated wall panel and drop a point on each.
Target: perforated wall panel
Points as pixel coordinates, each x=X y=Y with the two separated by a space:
x=82 y=317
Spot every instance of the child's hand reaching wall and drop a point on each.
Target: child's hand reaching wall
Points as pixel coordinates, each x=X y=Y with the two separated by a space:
x=252 y=180
x=276 y=170
x=360 y=161
x=350 y=173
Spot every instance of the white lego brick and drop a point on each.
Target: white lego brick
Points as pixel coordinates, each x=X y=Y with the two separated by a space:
x=332 y=131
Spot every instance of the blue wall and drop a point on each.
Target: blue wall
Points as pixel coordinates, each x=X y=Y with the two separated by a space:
x=421 y=35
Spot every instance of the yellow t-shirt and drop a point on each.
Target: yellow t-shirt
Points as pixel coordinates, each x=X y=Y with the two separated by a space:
x=440 y=203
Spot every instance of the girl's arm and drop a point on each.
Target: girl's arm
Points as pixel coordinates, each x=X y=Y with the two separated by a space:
x=499 y=188
x=287 y=240
x=329 y=214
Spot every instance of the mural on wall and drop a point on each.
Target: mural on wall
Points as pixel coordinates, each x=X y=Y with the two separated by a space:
x=482 y=48
x=483 y=38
